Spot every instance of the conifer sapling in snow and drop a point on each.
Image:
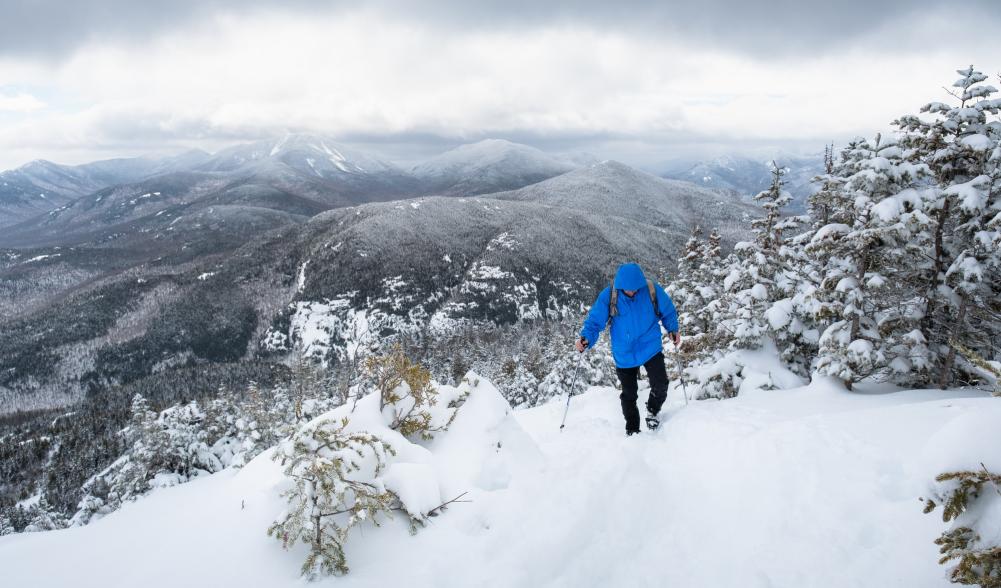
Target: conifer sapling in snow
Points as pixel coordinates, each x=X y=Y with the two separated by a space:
x=408 y=398
x=972 y=541
x=336 y=476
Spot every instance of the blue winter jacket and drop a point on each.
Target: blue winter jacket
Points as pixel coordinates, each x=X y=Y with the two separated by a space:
x=635 y=332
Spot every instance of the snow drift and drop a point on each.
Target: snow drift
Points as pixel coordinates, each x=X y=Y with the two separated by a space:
x=811 y=486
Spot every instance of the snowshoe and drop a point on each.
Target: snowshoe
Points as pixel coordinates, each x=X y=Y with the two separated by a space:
x=652 y=422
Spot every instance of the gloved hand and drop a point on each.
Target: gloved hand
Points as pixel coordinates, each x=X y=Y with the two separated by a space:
x=581 y=345
x=675 y=338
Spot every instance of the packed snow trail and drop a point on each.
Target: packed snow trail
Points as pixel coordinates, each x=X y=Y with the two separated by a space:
x=781 y=488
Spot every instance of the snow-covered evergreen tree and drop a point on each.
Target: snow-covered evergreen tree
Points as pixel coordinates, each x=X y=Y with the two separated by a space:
x=800 y=310
x=333 y=471
x=828 y=204
x=520 y=384
x=44 y=517
x=166 y=449
x=867 y=266
x=596 y=368
x=684 y=285
x=6 y=525
x=240 y=425
x=340 y=476
x=410 y=401
x=960 y=145
x=971 y=540
x=752 y=272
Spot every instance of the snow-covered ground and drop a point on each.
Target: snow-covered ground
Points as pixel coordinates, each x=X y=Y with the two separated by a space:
x=777 y=488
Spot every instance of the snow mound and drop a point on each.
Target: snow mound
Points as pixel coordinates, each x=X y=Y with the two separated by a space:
x=796 y=487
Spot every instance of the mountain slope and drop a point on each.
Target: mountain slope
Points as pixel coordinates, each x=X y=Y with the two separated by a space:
x=405 y=267
x=613 y=188
x=351 y=176
x=438 y=263
x=41 y=186
x=748 y=177
x=801 y=487
x=416 y=267
x=489 y=166
x=303 y=151
x=298 y=175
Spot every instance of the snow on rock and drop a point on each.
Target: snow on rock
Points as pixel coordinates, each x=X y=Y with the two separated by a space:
x=313 y=324
x=300 y=280
x=41 y=257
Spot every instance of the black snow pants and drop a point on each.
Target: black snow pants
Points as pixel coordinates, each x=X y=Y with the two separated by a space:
x=657 y=372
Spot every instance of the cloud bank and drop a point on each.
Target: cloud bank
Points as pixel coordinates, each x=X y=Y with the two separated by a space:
x=639 y=81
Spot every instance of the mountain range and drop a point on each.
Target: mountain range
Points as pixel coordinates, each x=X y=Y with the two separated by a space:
x=749 y=176
x=214 y=272
x=299 y=243
x=41 y=186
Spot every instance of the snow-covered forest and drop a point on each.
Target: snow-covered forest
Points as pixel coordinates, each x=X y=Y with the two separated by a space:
x=837 y=373
x=891 y=277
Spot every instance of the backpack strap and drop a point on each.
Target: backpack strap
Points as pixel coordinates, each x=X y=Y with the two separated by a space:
x=653 y=297
x=613 y=300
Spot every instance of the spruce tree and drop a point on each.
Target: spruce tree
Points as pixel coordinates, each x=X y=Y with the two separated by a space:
x=751 y=275
x=685 y=288
x=829 y=203
x=867 y=264
x=44 y=517
x=335 y=473
x=960 y=146
x=970 y=542
x=6 y=525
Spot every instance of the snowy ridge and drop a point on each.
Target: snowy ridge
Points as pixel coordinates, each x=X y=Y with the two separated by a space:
x=809 y=486
x=322 y=155
x=613 y=188
x=490 y=165
x=749 y=175
x=41 y=186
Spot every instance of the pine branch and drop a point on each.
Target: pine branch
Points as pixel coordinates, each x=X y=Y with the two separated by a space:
x=996 y=489
x=436 y=510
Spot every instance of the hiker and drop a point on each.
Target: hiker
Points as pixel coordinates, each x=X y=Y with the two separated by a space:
x=634 y=320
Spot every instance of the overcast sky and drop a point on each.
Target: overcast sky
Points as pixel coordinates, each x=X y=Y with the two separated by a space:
x=639 y=81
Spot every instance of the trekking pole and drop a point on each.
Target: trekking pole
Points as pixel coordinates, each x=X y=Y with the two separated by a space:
x=570 y=392
x=681 y=373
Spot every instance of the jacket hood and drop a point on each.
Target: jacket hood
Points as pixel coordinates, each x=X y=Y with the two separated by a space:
x=630 y=277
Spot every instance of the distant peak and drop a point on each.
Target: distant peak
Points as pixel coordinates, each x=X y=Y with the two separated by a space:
x=38 y=163
x=302 y=137
x=613 y=164
x=492 y=145
x=492 y=141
